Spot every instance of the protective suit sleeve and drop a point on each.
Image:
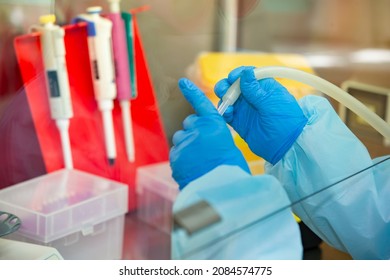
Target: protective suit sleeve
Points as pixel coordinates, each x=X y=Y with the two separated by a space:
x=350 y=208
x=256 y=220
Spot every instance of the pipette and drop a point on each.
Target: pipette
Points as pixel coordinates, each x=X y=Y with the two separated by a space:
x=103 y=73
x=318 y=83
x=53 y=50
x=123 y=78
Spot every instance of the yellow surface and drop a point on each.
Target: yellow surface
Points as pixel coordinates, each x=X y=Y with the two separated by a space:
x=47 y=19
x=210 y=67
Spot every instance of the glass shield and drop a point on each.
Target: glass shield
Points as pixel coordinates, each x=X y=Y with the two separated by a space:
x=350 y=214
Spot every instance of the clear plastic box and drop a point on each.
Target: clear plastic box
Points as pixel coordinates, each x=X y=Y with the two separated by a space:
x=79 y=214
x=156 y=192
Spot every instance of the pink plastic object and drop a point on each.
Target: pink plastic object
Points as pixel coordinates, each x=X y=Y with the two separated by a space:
x=121 y=60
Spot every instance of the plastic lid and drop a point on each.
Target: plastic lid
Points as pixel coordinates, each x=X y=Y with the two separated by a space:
x=94 y=10
x=50 y=18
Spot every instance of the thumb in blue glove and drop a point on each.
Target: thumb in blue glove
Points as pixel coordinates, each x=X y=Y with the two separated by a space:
x=265 y=115
x=205 y=141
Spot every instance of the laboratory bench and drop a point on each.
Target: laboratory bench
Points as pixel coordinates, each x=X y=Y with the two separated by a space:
x=144 y=242
x=94 y=223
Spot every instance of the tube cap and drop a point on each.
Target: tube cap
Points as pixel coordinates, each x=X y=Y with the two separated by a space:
x=50 y=18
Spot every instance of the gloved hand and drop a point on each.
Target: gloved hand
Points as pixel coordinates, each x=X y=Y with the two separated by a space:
x=265 y=115
x=205 y=141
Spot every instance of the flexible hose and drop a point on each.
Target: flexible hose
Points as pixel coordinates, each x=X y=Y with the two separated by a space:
x=316 y=82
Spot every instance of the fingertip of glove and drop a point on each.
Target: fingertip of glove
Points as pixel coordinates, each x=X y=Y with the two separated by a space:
x=184 y=83
x=236 y=73
x=187 y=86
x=221 y=87
x=249 y=84
x=248 y=75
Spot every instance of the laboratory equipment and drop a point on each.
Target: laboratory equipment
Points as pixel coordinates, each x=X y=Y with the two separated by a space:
x=53 y=51
x=84 y=219
x=87 y=141
x=324 y=86
x=122 y=74
x=9 y=223
x=103 y=71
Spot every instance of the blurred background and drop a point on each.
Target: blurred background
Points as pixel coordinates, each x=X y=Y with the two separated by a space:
x=342 y=40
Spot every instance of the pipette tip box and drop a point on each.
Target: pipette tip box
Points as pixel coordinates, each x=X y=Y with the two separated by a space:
x=79 y=214
x=156 y=192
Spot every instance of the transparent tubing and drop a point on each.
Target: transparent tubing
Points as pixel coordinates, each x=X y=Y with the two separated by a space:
x=316 y=82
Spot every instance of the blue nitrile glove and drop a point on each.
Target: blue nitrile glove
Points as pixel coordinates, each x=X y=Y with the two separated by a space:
x=205 y=141
x=265 y=115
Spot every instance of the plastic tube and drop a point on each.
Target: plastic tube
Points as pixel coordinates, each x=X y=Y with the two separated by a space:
x=316 y=82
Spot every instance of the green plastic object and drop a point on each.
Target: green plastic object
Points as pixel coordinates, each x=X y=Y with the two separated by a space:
x=128 y=19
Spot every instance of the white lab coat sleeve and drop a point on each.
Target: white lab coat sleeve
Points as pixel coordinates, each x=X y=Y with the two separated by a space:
x=352 y=214
x=256 y=220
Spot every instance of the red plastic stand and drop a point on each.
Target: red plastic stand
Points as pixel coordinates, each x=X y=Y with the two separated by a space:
x=86 y=129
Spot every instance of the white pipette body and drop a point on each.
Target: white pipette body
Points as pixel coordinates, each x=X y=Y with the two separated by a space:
x=53 y=50
x=63 y=127
x=316 y=82
x=103 y=71
x=128 y=129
